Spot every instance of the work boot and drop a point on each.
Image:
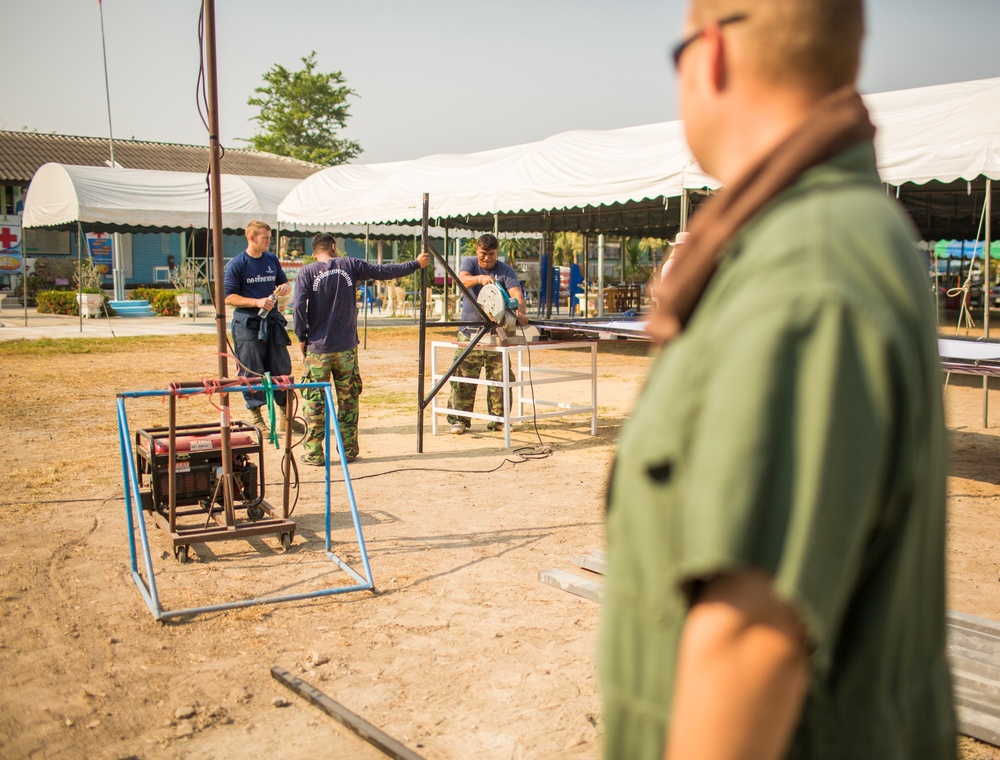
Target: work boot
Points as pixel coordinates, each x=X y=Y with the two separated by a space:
x=297 y=427
x=256 y=418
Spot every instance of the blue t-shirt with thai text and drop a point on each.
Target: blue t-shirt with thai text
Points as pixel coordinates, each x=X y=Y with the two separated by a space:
x=254 y=278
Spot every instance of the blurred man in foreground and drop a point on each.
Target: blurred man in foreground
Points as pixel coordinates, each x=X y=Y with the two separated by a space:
x=776 y=512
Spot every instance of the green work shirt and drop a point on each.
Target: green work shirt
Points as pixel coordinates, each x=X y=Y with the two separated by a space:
x=796 y=426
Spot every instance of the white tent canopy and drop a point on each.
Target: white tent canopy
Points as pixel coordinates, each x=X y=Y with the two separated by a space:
x=101 y=196
x=944 y=133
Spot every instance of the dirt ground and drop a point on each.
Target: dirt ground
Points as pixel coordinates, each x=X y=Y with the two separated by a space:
x=461 y=653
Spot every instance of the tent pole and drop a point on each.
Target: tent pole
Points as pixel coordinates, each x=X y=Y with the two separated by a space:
x=685 y=210
x=600 y=274
x=446 y=311
x=364 y=301
x=79 y=268
x=211 y=72
x=419 y=276
x=986 y=297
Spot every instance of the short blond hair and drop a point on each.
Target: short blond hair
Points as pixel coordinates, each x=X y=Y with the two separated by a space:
x=815 y=44
x=256 y=226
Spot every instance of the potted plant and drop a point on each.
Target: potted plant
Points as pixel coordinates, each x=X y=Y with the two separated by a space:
x=187 y=279
x=88 y=278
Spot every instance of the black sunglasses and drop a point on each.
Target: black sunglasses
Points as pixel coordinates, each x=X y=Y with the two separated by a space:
x=678 y=50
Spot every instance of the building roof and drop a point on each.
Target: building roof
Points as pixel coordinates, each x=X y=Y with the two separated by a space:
x=21 y=153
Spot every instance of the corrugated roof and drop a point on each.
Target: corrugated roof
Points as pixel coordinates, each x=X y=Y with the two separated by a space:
x=21 y=153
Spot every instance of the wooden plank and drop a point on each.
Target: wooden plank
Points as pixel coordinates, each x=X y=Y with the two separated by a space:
x=364 y=729
x=973 y=623
x=595 y=562
x=574 y=584
x=978 y=725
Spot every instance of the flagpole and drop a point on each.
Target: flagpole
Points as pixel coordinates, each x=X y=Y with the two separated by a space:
x=117 y=270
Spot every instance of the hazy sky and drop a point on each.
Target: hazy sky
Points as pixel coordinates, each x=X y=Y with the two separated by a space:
x=442 y=76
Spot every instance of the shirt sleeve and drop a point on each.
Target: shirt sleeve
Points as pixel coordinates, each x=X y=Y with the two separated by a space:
x=232 y=277
x=365 y=271
x=280 y=278
x=787 y=461
x=300 y=300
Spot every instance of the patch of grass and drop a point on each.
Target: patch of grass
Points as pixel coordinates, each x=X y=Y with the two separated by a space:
x=123 y=345
x=390 y=398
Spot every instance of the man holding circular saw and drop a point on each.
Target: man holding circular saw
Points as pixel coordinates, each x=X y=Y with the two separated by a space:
x=476 y=272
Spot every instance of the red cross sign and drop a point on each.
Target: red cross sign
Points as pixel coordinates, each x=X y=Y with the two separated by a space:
x=9 y=237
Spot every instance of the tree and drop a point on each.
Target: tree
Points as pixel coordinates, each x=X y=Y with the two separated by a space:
x=301 y=112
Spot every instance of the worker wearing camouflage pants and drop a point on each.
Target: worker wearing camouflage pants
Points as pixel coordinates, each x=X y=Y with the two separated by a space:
x=342 y=368
x=325 y=318
x=463 y=395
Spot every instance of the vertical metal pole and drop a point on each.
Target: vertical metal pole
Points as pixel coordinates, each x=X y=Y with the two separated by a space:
x=986 y=297
x=685 y=209
x=364 y=301
x=217 y=250
x=423 y=331
x=600 y=275
x=550 y=250
x=80 y=242
x=445 y=309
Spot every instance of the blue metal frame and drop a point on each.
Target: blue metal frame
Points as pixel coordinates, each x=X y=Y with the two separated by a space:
x=134 y=516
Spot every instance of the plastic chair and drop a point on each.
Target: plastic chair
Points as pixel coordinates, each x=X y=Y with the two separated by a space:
x=369 y=299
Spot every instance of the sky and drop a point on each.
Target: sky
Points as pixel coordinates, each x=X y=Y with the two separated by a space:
x=440 y=76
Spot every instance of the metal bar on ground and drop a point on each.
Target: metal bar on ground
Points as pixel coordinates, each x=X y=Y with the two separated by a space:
x=371 y=734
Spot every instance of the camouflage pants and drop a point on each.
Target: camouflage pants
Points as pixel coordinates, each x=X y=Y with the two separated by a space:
x=463 y=395
x=342 y=367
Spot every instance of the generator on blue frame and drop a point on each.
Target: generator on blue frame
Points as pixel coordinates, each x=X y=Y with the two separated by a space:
x=198 y=484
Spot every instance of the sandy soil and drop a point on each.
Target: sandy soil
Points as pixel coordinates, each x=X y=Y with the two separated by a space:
x=461 y=653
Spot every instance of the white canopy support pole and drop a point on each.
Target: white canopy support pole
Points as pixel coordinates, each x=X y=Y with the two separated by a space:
x=986 y=297
x=600 y=275
x=685 y=209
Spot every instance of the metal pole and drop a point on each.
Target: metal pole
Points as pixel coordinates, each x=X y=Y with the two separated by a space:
x=685 y=209
x=211 y=72
x=117 y=273
x=600 y=275
x=986 y=297
x=423 y=331
x=446 y=311
x=364 y=301
x=80 y=241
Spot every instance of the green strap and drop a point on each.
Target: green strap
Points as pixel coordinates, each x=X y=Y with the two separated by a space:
x=269 y=394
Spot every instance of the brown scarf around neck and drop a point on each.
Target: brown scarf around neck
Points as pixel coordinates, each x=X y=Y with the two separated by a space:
x=838 y=121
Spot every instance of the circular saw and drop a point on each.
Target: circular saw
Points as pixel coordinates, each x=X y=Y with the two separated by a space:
x=500 y=307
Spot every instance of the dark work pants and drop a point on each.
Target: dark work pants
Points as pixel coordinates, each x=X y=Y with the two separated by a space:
x=256 y=356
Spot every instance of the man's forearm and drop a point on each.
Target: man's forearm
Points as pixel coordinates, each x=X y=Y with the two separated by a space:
x=742 y=673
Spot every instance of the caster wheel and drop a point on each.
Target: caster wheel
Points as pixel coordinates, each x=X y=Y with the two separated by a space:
x=181 y=554
x=286 y=541
x=255 y=512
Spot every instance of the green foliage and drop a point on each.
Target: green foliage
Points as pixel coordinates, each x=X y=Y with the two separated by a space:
x=46 y=272
x=161 y=300
x=57 y=302
x=88 y=276
x=144 y=294
x=301 y=112
x=636 y=267
x=164 y=303
x=64 y=302
x=566 y=246
x=188 y=277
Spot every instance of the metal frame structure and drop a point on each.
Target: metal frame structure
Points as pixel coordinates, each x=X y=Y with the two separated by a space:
x=136 y=519
x=523 y=373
